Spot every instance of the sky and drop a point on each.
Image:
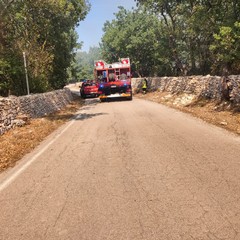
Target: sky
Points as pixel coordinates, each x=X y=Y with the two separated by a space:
x=90 y=30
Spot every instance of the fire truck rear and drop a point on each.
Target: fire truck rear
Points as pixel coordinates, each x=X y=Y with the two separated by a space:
x=114 y=79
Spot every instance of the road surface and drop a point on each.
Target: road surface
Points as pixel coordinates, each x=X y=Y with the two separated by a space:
x=126 y=170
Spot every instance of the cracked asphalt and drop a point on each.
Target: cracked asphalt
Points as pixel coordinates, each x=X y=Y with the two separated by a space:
x=126 y=170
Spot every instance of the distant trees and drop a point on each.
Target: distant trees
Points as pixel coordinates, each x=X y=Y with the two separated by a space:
x=185 y=37
x=44 y=29
x=83 y=67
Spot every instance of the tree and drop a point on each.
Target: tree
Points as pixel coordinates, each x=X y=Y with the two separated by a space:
x=84 y=63
x=135 y=34
x=226 y=49
x=191 y=27
x=44 y=29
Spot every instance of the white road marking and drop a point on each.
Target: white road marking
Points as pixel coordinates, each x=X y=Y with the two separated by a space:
x=9 y=180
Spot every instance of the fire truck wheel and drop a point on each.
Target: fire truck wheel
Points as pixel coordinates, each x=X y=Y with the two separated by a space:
x=130 y=98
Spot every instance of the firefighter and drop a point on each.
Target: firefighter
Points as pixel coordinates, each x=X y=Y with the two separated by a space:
x=144 y=85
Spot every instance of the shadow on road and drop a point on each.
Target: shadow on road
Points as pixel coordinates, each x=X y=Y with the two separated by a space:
x=84 y=116
x=116 y=99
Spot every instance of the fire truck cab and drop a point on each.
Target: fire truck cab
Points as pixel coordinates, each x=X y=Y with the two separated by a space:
x=114 y=80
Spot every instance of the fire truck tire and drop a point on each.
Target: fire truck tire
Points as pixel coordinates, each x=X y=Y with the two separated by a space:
x=130 y=98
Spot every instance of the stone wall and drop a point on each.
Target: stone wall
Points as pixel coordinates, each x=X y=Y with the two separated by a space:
x=14 y=111
x=39 y=105
x=9 y=110
x=211 y=87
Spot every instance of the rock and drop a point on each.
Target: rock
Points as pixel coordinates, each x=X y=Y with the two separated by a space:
x=18 y=123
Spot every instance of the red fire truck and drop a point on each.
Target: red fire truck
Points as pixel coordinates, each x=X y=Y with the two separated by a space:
x=114 y=80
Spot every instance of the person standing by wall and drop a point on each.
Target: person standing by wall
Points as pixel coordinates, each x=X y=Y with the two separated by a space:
x=144 y=85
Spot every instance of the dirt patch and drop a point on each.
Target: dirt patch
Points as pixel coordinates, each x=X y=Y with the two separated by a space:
x=222 y=114
x=19 y=141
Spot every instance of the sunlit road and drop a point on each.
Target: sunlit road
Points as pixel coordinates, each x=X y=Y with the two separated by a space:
x=126 y=170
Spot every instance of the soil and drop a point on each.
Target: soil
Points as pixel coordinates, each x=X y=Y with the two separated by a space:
x=19 y=141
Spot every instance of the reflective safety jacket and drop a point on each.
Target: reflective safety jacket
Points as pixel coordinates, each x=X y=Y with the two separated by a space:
x=144 y=84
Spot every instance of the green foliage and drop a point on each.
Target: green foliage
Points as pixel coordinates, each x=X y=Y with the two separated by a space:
x=135 y=34
x=161 y=38
x=44 y=29
x=83 y=66
x=176 y=37
x=226 y=48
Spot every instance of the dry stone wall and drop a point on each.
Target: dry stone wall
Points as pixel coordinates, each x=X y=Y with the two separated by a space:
x=211 y=87
x=9 y=110
x=39 y=105
x=14 y=111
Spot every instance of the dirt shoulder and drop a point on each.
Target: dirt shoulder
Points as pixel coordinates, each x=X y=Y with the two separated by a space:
x=221 y=114
x=19 y=141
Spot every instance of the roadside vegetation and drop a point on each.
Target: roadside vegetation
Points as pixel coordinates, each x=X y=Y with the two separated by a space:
x=45 y=31
x=82 y=67
x=162 y=38
x=170 y=38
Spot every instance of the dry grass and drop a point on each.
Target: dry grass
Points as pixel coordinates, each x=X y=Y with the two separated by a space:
x=19 y=141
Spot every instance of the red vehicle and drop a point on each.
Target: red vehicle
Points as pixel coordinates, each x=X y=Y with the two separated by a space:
x=89 y=88
x=114 y=80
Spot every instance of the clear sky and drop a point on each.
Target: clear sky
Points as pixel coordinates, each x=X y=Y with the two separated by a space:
x=90 y=30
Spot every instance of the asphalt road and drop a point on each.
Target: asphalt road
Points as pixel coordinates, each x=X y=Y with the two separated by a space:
x=126 y=170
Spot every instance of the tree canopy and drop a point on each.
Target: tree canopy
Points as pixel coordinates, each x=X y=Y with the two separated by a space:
x=44 y=30
x=176 y=37
x=161 y=37
x=83 y=67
